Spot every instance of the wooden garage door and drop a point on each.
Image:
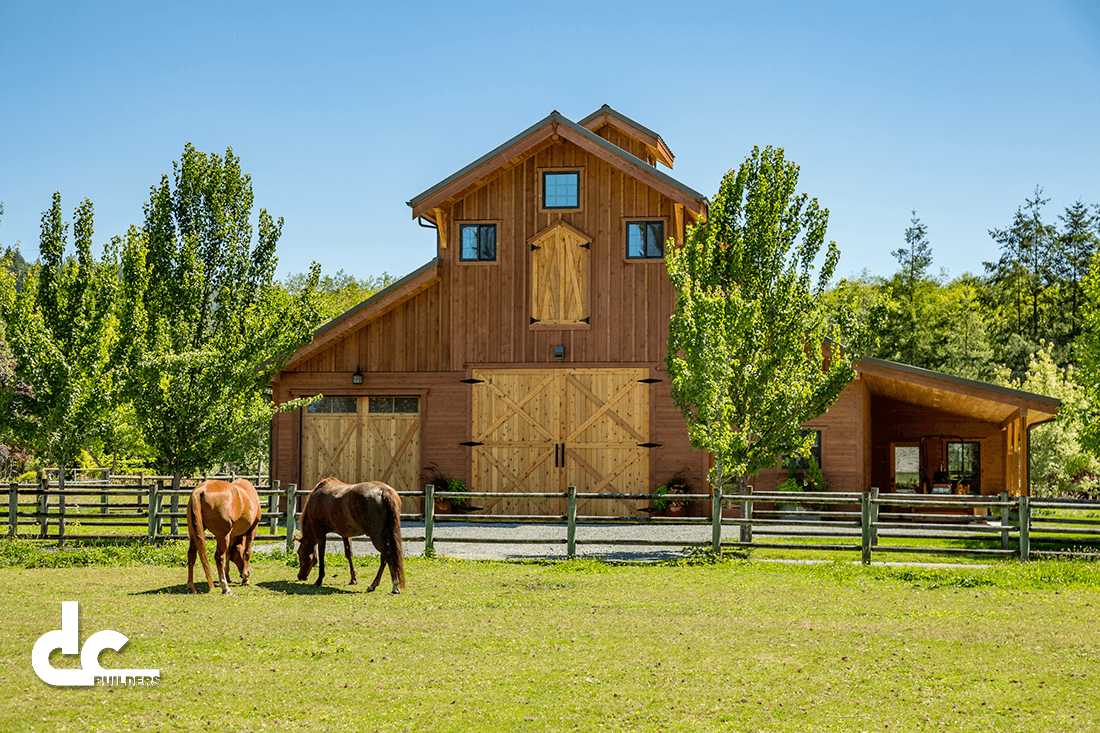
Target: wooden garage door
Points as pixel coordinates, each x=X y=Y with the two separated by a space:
x=363 y=439
x=544 y=430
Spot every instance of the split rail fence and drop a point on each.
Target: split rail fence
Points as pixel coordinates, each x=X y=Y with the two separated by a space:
x=861 y=523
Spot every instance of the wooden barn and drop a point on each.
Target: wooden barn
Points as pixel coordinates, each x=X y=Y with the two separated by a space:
x=528 y=355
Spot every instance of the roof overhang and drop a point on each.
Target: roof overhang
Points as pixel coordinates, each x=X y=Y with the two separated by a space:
x=967 y=397
x=390 y=297
x=545 y=132
x=605 y=115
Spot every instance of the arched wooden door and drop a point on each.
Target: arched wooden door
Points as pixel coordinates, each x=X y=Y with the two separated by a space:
x=560 y=261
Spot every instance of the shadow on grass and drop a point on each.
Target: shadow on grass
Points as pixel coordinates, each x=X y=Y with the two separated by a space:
x=293 y=588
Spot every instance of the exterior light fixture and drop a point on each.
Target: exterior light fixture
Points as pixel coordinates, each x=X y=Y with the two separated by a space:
x=357 y=378
x=559 y=352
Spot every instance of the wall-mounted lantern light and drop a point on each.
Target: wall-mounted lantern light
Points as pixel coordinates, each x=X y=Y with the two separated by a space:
x=559 y=352
x=357 y=378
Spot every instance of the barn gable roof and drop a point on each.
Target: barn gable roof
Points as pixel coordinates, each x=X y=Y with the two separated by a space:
x=605 y=115
x=389 y=297
x=533 y=138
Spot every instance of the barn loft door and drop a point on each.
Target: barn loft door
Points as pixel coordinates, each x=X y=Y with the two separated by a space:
x=560 y=258
x=544 y=430
x=362 y=439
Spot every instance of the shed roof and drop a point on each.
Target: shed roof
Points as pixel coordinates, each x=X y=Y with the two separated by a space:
x=610 y=116
x=969 y=397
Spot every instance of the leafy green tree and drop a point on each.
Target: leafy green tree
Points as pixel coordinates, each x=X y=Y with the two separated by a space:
x=207 y=326
x=1060 y=464
x=61 y=330
x=1077 y=244
x=340 y=292
x=747 y=349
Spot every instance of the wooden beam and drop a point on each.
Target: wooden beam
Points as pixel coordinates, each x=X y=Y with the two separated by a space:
x=1011 y=418
x=678 y=214
x=1021 y=458
x=441 y=226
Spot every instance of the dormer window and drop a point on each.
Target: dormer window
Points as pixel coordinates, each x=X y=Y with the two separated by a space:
x=561 y=189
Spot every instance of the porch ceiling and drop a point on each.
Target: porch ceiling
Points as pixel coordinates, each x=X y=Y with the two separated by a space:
x=967 y=397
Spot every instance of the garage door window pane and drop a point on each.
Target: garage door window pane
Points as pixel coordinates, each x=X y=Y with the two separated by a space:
x=343 y=404
x=406 y=404
x=322 y=405
x=381 y=404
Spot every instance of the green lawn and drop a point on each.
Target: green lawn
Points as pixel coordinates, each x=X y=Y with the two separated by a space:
x=481 y=646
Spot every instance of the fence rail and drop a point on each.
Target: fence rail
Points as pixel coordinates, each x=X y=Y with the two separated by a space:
x=847 y=522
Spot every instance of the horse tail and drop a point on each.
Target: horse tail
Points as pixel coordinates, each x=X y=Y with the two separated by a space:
x=197 y=533
x=392 y=532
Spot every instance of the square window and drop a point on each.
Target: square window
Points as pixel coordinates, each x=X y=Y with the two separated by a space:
x=561 y=190
x=479 y=242
x=645 y=240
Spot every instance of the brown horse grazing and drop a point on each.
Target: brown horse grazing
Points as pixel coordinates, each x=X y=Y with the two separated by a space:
x=231 y=511
x=370 y=508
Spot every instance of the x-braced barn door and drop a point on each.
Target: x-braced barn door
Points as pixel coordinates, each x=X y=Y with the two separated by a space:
x=363 y=439
x=540 y=430
x=560 y=260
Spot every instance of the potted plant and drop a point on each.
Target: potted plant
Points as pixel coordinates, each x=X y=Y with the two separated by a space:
x=678 y=484
x=432 y=475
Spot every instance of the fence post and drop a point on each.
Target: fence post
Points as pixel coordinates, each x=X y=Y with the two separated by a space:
x=174 y=503
x=874 y=516
x=13 y=510
x=291 y=507
x=273 y=508
x=153 y=510
x=1025 y=527
x=61 y=506
x=43 y=503
x=1006 y=520
x=716 y=520
x=104 y=499
x=571 y=523
x=865 y=521
x=429 y=520
x=746 y=513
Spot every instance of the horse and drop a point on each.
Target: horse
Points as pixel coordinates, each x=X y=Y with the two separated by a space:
x=231 y=511
x=370 y=508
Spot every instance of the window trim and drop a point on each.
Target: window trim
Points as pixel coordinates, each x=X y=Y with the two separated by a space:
x=644 y=220
x=480 y=223
x=541 y=183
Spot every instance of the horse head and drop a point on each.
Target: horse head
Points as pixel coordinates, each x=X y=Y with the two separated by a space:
x=307 y=558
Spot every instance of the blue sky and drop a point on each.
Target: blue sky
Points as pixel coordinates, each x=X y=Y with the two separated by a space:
x=342 y=112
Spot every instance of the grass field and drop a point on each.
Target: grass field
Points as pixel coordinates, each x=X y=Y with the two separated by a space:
x=738 y=646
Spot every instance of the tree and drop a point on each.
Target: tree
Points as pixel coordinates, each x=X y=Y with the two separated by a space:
x=207 y=326
x=1060 y=465
x=747 y=349
x=62 y=331
x=1077 y=243
x=340 y=292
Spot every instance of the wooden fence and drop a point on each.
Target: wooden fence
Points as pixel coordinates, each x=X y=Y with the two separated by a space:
x=861 y=523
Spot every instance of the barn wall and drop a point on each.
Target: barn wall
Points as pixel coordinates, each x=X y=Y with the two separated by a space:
x=842 y=441
x=630 y=301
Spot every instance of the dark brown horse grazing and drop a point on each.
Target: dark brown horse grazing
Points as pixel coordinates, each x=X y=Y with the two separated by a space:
x=370 y=508
x=231 y=511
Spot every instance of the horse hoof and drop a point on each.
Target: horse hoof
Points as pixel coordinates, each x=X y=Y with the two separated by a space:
x=191 y=591
x=395 y=592
x=353 y=581
x=371 y=588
